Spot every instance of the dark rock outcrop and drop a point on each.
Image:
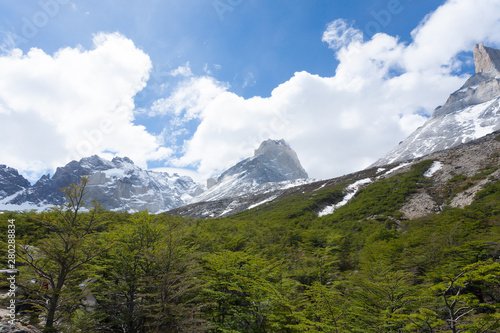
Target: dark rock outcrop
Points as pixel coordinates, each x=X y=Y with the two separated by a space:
x=11 y=182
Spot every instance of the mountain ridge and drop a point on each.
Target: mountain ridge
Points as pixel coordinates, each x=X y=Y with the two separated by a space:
x=117 y=184
x=122 y=186
x=469 y=113
x=486 y=60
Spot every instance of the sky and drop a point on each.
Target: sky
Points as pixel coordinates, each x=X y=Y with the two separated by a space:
x=195 y=86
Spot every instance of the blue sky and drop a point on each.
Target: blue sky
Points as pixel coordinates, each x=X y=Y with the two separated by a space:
x=269 y=40
x=202 y=82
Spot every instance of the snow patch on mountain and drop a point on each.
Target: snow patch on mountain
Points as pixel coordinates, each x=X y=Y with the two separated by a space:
x=263 y=202
x=5 y=204
x=472 y=119
x=351 y=192
x=435 y=167
x=400 y=166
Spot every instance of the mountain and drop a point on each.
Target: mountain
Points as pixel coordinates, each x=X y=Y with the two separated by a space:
x=269 y=174
x=273 y=162
x=118 y=185
x=249 y=198
x=469 y=113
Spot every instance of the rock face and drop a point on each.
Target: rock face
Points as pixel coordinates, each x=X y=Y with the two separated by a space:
x=11 y=182
x=273 y=162
x=487 y=60
x=6 y=327
x=117 y=185
x=469 y=113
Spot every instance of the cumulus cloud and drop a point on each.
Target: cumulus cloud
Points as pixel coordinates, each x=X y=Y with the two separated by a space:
x=383 y=89
x=72 y=104
x=77 y=102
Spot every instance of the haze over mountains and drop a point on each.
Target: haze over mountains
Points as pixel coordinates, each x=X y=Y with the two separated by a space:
x=470 y=113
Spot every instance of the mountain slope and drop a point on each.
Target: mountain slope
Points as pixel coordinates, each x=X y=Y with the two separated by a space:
x=11 y=182
x=452 y=178
x=470 y=113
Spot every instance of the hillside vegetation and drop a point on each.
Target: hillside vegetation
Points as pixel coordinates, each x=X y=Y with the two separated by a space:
x=276 y=268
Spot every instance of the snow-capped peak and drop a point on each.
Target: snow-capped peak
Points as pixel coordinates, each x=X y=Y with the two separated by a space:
x=470 y=113
x=117 y=184
x=273 y=162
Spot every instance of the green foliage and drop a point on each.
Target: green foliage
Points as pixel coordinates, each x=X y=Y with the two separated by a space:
x=457 y=178
x=484 y=174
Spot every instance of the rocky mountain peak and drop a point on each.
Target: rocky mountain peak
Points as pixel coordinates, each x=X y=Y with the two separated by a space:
x=273 y=162
x=487 y=60
x=11 y=181
x=280 y=152
x=122 y=160
x=270 y=146
x=93 y=162
x=117 y=184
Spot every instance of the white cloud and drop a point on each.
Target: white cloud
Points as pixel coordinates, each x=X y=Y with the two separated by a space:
x=76 y=102
x=190 y=98
x=339 y=33
x=182 y=172
x=182 y=71
x=342 y=123
x=55 y=108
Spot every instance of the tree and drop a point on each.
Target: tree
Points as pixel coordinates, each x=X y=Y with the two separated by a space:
x=379 y=297
x=122 y=272
x=71 y=244
x=325 y=309
x=147 y=281
x=247 y=293
x=173 y=289
x=470 y=298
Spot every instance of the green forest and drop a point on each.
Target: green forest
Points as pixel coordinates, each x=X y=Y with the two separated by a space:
x=275 y=268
